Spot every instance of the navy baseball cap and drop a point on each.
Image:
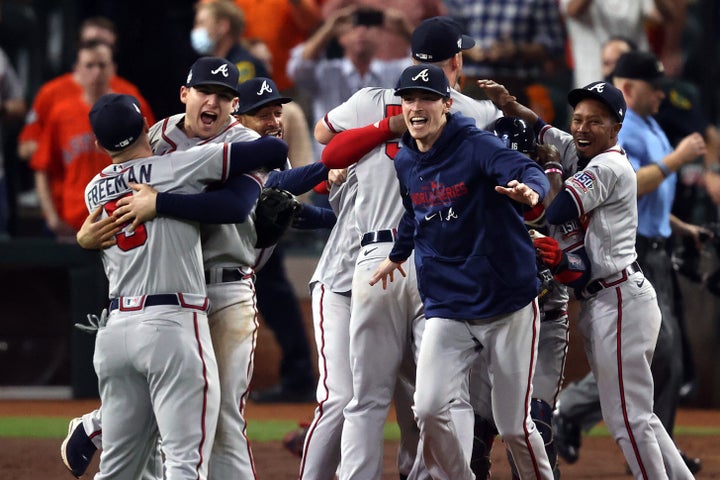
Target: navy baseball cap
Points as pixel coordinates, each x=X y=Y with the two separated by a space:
x=116 y=121
x=639 y=65
x=423 y=76
x=258 y=92
x=437 y=39
x=213 y=71
x=603 y=92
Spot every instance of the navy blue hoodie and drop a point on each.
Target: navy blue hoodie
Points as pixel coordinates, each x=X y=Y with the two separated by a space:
x=473 y=254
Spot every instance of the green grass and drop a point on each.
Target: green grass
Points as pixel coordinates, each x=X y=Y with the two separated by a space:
x=56 y=427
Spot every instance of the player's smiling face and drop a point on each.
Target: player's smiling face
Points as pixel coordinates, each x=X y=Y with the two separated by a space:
x=267 y=121
x=207 y=109
x=424 y=114
x=593 y=128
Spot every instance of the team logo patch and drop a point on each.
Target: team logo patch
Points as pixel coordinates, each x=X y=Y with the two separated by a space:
x=583 y=181
x=223 y=69
x=264 y=88
x=598 y=87
x=423 y=75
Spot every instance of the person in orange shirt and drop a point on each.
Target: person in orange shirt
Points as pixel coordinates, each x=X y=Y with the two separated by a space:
x=280 y=24
x=67 y=86
x=66 y=158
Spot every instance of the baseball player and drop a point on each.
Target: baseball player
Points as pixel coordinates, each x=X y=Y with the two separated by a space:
x=478 y=284
x=619 y=316
x=229 y=253
x=553 y=339
x=153 y=355
x=381 y=322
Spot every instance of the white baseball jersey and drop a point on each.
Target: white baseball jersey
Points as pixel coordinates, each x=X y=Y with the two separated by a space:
x=132 y=264
x=608 y=180
x=337 y=261
x=378 y=205
x=227 y=245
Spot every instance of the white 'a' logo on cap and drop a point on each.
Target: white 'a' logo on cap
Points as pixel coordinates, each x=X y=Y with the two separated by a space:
x=137 y=108
x=459 y=43
x=599 y=87
x=424 y=75
x=265 y=87
x=221 y=69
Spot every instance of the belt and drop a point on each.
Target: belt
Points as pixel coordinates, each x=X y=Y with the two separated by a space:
x=138 y=303
x=225 y=275
x=553 y=314
x=378 y=237
x=595 y=286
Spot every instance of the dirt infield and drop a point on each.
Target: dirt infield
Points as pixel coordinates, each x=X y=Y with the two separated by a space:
x=33 y=459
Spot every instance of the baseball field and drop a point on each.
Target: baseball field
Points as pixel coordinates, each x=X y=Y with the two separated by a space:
x=31 y=433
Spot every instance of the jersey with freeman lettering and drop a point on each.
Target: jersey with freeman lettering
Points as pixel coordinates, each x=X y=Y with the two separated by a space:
x=132 y=264
x=378 y=205
x=227 y=245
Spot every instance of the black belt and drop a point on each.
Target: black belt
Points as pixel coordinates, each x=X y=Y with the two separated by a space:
x=150 y=301
x=227 y=275
x=553 y=314
x=594 y=287
x=377 y=237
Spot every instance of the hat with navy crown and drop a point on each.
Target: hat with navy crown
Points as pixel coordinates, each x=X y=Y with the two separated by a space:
x=423 y=77
x=258 y=92
x=116 y=121
x=437 y=39
x=605 y=93
x=213 y=71
x=640 y=65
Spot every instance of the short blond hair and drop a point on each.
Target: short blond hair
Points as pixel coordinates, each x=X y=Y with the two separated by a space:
x=226 y=10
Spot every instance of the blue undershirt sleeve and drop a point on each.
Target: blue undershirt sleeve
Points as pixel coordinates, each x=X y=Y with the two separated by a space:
x=561 y=209
x=231 y=203
x=265 y=152
x=298 y=180
x=313 y=217
x=405 y=238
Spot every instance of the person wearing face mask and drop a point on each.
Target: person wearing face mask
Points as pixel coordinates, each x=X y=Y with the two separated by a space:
x=217 y=29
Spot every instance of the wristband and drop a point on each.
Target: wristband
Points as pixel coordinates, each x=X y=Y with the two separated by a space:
x=553 y=170
x=549 y=165
x=664 y=169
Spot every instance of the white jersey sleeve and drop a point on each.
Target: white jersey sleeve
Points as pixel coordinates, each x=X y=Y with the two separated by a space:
x=605 y=193
x=483 y=111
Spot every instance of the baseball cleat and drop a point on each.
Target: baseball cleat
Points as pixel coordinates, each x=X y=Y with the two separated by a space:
x=77 y=449
x=567 y=438
x=693 y=464
x=294 y=441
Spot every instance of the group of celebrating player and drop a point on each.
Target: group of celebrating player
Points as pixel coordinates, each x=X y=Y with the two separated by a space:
x=428 y=203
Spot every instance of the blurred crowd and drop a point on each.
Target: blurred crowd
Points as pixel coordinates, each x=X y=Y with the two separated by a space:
x=58 y=56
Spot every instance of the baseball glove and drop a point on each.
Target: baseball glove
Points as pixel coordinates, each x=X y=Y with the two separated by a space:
x=274 y=213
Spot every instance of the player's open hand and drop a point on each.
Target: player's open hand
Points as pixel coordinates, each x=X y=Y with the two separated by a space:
x=519 y=192
x=496 y=92
x=96 y=234
x=137 y=208
x=386 y=269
